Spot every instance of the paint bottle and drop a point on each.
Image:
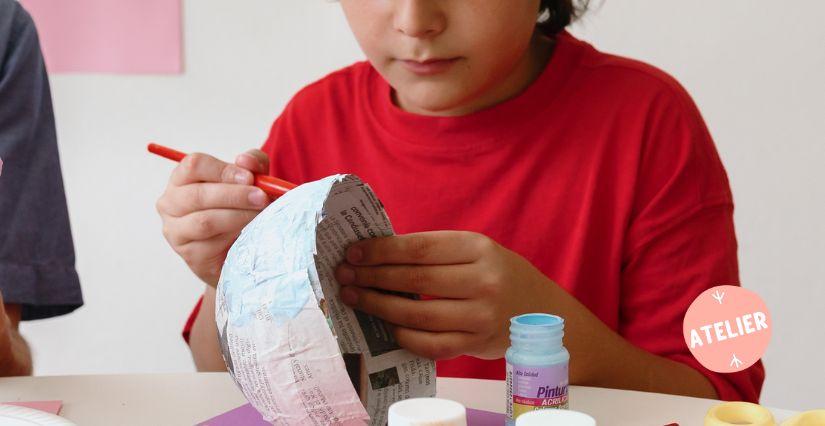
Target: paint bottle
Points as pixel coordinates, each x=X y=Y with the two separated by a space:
x=537 y=364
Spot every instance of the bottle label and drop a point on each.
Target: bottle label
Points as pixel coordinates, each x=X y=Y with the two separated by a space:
x=534 y=388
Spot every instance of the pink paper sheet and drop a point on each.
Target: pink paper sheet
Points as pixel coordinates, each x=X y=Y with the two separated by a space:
x=51 y=407
x=109 y=36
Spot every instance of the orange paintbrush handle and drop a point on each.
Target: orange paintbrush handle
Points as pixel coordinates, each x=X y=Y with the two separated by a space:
x=271 y=185
x=165 y=152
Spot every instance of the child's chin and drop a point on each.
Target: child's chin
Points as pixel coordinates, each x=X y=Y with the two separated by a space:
x=432 y=99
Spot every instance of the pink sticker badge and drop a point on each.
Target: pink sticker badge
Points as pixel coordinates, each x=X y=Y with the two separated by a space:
x=727 y=328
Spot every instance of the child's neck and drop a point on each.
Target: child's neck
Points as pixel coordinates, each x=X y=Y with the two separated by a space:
x=528 y=69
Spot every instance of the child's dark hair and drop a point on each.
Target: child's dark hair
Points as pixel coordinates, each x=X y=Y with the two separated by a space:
x=555 y=15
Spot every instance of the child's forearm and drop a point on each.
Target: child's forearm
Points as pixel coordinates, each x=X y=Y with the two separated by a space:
x=203 y=339
x=601 y=357
x=644 y=371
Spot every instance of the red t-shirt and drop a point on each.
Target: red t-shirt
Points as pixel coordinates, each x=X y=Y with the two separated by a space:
x=602 y=174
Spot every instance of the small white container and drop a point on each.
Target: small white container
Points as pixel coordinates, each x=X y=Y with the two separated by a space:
x=553 y=417
x=427 y=412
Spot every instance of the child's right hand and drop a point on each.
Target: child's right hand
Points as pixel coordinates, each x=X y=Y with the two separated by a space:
x=206 y=204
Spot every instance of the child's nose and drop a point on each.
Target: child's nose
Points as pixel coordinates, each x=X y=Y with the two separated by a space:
x=419 y=18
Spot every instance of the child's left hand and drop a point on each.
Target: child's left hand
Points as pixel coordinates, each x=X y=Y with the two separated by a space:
x=477 y=284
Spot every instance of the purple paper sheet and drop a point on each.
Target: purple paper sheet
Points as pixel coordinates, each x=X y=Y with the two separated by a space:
x=246 y=415
x=484 y=418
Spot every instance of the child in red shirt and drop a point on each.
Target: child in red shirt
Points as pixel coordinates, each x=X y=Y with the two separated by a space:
x=524 y=171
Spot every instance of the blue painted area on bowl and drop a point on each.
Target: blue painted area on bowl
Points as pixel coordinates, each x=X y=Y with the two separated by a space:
x=270 y=269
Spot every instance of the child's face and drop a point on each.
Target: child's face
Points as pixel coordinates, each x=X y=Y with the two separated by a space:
x=476 y=45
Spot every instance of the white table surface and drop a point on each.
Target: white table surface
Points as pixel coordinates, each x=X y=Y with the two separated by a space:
x=189 y=398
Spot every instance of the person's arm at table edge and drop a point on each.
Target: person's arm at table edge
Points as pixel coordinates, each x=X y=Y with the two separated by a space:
x=203 y=338
x=15 y=356
x=603 y=358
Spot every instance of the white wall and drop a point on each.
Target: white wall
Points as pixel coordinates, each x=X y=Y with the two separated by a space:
x=754 y=67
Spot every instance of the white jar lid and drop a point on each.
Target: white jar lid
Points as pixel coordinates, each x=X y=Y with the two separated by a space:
x=427 y=412
x=555 y=417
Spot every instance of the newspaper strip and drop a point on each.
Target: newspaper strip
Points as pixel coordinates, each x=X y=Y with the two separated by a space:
x=298 y=354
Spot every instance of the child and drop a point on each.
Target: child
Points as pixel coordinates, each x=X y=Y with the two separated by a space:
x=525 y=170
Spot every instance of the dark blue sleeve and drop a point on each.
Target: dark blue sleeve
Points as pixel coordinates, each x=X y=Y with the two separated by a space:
x=36 y=250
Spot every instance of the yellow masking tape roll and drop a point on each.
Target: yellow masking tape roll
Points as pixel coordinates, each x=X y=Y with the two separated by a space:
x=808 y=418
x=739 y=413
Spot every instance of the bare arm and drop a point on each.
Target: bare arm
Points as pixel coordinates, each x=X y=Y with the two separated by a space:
x=203 y=340
x=604 y=358
x=206 y=204
x=204 y=208
x=15 y=357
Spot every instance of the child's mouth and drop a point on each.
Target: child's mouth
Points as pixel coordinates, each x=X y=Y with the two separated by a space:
x=429 y=66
